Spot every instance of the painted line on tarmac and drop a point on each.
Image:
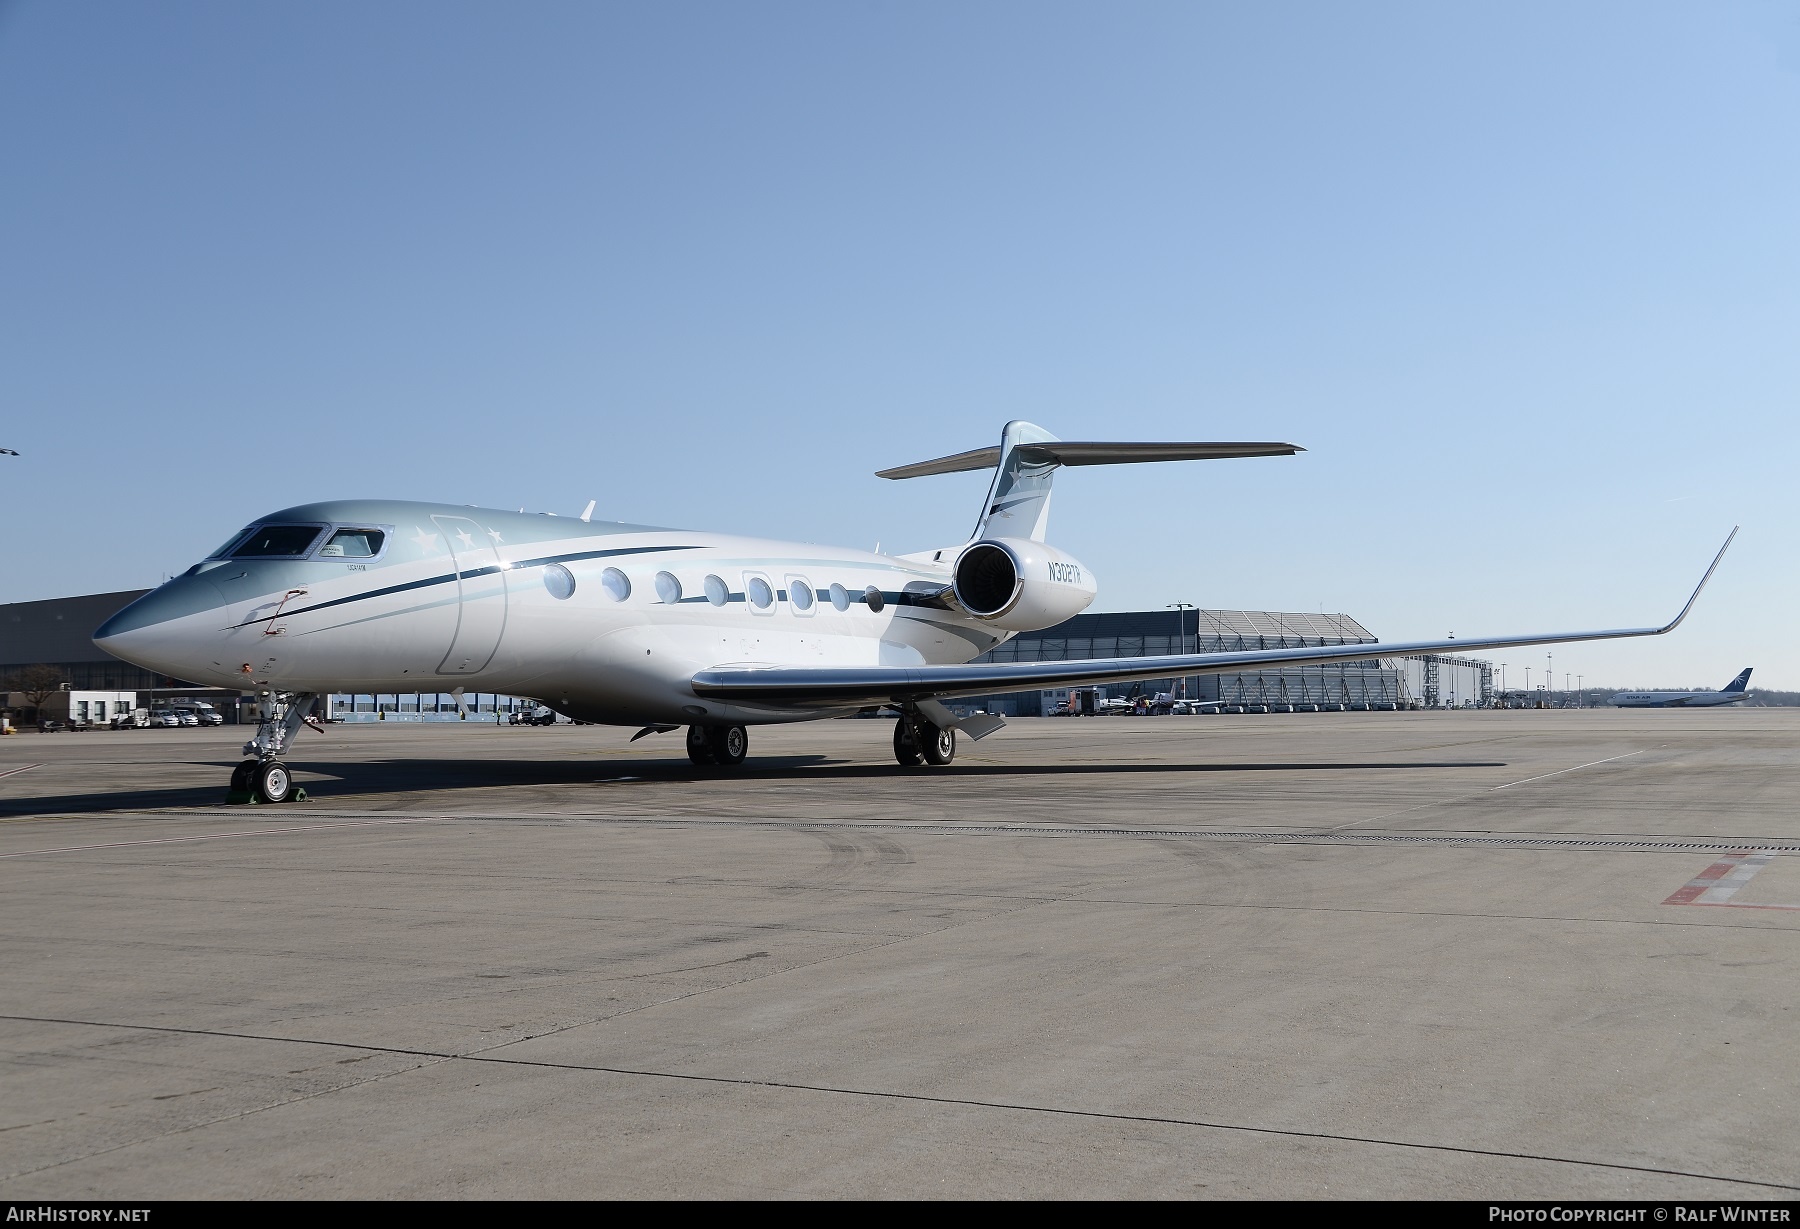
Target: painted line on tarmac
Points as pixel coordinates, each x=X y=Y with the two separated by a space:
x=226 y=836
x=13 y=772
x=1444 y=802
x=1724 y=879
x=1559 y=772
x=882 y=1094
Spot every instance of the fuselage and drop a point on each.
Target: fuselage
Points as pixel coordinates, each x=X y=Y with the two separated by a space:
x=606 y=621
x=1676 y=699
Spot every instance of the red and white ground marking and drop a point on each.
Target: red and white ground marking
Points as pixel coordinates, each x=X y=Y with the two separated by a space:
x=13 y=772
x=1724 y=879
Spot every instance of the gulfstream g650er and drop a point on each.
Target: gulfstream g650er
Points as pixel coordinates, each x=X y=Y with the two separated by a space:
x=663 y=628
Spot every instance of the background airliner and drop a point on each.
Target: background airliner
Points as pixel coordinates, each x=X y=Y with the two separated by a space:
x=663 y=628
x=1731 y=693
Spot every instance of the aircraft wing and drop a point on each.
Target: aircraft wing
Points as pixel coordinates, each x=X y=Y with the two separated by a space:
x=824 y=687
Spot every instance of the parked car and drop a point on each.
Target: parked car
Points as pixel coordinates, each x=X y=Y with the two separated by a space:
x=137 y=719
x=543 y=714
x=50 y=725
x=166 y=718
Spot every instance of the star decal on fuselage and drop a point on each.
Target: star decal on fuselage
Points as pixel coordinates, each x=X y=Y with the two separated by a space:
x=426 y=541
x=462 y=535
x=494 y=534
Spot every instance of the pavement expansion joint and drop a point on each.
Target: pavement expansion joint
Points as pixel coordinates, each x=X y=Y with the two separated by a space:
x=1310 y=836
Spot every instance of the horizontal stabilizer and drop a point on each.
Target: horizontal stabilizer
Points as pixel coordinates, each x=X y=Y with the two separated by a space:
x=1091 y=452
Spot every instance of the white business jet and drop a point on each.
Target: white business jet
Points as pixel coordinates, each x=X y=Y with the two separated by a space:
x=663 y=628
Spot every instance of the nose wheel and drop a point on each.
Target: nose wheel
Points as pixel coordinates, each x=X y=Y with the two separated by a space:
x=265 y=781
x=272 y=782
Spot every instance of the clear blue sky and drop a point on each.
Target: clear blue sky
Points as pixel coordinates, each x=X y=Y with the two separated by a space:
x=1524 y=278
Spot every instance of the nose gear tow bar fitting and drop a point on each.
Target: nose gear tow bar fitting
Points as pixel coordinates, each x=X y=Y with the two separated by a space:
x=262 y=777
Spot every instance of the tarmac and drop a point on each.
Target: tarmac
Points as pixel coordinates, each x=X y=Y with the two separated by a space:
x=1467 y=955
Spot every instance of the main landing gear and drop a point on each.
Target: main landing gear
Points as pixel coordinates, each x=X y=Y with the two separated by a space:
x=917 y=741
x=724 y=745
x=263 y=777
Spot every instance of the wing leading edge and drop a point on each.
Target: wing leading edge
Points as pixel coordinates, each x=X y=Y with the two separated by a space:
x=806 y=687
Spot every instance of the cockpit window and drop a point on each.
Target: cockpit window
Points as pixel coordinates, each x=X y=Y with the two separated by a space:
x=224 y=552
x=286 y=541
x=352 y=544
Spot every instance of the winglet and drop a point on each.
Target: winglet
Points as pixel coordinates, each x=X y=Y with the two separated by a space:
x=1676 y=621
x=589 y=510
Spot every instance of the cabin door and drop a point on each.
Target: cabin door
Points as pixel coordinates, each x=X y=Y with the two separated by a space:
x=481 y=593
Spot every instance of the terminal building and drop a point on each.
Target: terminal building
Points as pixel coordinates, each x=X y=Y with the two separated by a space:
x=57 y=633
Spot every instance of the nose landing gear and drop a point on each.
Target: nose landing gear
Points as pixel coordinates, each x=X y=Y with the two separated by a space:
x=263 y=777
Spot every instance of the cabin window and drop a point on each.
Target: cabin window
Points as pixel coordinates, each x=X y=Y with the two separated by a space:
x=800 y=594
x=873 y=597
x=668 y=588
x=353 y=544
x=840 y=597
x=277 y=542
x=761 y=595
x=717 y=591
x=616 y=584
x=560 y=581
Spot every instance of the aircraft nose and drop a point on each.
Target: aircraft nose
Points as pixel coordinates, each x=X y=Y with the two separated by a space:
x=147 y=632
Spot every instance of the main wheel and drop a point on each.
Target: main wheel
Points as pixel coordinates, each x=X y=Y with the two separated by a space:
x=699 y=749
x=273 y=783
x=940 y=745
x=241 y=776
x=730 y=744
x=906 y=751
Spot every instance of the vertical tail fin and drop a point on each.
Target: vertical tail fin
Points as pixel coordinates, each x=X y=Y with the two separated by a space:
x=1740 y=682
x=1018 y=501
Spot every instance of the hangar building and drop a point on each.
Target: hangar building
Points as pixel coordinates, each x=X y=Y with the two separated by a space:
x=1374 y=682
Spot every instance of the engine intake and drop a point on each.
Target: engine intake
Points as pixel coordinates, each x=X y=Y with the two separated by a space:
x=1019 y=585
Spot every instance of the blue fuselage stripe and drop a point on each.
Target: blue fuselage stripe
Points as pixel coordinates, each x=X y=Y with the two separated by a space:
x=490 y=570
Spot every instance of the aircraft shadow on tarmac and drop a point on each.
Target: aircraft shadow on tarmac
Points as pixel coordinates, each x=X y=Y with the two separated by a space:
x=356 y=780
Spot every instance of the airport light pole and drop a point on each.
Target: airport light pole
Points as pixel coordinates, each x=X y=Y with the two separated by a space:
x=1580 y=692
x=1549 y=679
x=1181 y=609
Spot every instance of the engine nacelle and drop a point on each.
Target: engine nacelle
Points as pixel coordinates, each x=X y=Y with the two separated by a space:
x=1020 y=586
